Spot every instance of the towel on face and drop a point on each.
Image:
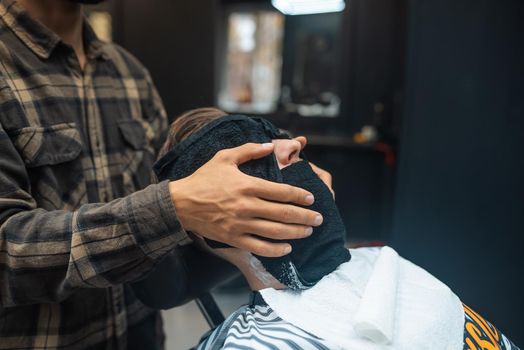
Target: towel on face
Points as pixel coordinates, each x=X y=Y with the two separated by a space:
x=312 y=257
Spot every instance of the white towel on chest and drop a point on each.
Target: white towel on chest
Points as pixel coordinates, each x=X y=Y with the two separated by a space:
x=377 y=300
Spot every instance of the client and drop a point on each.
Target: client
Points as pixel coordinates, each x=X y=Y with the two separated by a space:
x=321 y=295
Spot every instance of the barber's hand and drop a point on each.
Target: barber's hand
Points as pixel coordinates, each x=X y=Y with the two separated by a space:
x=322 y=174
x=220 y=202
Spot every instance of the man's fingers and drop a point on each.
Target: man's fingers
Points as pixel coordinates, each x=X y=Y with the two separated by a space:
x=277 y=192
x=324 y=176
x=302 y=140
x=247 y=152
x=263 y=248
x=275 y=230
x=285 y=213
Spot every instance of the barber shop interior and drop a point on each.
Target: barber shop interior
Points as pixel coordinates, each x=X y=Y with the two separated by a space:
x=262 y=174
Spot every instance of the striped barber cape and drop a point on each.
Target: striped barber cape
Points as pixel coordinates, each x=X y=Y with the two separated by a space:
x=259 y=327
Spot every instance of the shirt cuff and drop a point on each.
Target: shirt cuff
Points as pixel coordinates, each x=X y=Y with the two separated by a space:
x=154 y=222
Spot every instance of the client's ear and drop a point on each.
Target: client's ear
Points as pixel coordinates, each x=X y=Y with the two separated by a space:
x=198 y=235
x=199 y=241
x=234 y=255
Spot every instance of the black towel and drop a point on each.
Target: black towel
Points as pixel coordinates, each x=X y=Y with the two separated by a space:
x=312 y=257
x=321 y=253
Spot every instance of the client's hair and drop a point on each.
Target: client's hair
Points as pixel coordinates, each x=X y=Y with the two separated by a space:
x=184 y=126
x=188 y=123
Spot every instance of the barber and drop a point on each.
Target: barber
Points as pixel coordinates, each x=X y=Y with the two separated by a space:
x=80 y=121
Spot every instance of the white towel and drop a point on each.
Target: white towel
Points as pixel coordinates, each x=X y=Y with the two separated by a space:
x=375 y=317
x=375 y=301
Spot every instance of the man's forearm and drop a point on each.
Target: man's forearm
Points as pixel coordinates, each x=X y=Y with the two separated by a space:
x=98 y=245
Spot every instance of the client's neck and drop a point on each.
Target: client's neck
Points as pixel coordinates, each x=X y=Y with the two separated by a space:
x=256 y=275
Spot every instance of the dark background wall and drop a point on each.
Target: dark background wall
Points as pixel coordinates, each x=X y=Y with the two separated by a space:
x=459 y=202
x=175 y=40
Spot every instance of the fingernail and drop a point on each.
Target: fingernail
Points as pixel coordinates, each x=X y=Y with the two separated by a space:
x=267 y=145
x=287 y=249
x=309 y=231
x=310 y=199
x=318 y=220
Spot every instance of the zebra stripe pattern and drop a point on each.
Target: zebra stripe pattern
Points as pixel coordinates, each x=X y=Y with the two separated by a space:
x=259 y=327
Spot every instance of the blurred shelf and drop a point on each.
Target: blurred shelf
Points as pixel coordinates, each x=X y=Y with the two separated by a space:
x=339 y=141
x=346 y=143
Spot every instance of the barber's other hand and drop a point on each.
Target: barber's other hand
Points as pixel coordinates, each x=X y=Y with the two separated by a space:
x=322 y=174
x=220 y=202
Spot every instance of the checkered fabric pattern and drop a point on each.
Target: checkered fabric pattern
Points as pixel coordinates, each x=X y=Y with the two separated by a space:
x=79 y=216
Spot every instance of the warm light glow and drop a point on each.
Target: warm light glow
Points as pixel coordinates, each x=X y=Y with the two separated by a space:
x=307 y=7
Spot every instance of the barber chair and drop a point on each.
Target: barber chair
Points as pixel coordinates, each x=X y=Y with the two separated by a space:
x=187 y=273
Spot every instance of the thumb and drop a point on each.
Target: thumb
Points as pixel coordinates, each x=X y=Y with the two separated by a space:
x=249 y=151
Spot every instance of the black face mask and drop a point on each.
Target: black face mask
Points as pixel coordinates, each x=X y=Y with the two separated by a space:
x=312 y=257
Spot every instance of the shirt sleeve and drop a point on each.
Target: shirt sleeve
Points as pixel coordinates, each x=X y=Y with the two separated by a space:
x=46 y=255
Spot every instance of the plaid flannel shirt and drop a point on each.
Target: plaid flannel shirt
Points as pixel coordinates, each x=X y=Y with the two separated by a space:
x=78 y=215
